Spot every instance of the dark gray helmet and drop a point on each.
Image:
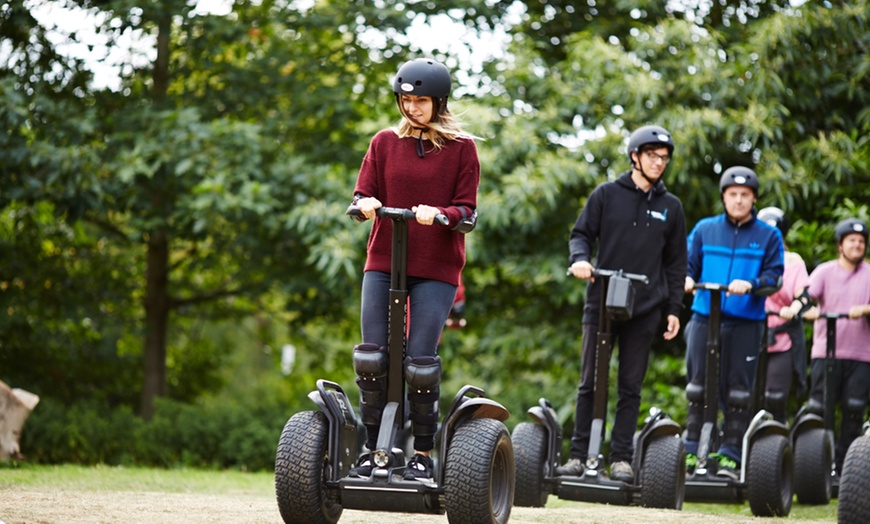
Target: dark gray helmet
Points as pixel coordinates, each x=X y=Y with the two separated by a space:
x=424 y=77
x=653 y=135
x=849 y=226
x=739 y=176
x=775 y=217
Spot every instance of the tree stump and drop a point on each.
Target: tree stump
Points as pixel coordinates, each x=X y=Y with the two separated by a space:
x=15 y=406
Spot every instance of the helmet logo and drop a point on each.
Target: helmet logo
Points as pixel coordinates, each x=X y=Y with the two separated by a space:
x=740 y=179
x=407 y=87
x=858 y=228
x=664 y=138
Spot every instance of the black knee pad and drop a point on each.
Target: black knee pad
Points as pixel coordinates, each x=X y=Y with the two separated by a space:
x=695 y=417
x=775 y=402
x=854 y=408
x=737 y=416
x=371 y=363
x=815 y=406
x=423 y=375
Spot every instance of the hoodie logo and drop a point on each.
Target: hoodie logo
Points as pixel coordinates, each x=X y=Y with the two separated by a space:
x=658 y=215
x=754 y=245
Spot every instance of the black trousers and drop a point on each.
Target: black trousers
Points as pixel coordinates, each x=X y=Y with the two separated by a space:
x=633 y=338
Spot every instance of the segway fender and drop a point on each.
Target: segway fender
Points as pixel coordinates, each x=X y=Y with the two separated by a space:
x=333 y=402
x=483 y=408
x=806 y=421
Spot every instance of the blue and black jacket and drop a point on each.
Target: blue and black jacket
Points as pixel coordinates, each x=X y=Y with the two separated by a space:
x=720 y=251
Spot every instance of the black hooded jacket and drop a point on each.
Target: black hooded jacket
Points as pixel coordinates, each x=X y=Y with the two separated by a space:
x=637 y=232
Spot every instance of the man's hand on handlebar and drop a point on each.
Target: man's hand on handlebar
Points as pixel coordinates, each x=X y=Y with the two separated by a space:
x=582 y=269
x=739 y=287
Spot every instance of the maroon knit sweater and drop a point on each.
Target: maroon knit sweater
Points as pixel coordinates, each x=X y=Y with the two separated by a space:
x=447 y=179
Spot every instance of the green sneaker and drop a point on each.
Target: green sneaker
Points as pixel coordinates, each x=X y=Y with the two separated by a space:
x=728 y=467
x=691 y=462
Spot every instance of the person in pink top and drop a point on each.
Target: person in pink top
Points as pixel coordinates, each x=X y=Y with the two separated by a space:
x=786 y=342
x=843 y=286
x=427 y=164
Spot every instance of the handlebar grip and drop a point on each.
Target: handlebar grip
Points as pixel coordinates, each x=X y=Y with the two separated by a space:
x=395 y=213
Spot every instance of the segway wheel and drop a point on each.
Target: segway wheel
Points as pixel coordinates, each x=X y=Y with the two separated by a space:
x=479 y=473
x=530 y=455
x=301 y=470
x=853 y=506
x=812 y=466
x=769 y=476
x=663 y=473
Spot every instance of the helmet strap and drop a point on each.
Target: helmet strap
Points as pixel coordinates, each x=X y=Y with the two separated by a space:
x=420 y=150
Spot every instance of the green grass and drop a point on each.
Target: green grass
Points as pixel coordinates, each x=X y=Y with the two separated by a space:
x=119 y=478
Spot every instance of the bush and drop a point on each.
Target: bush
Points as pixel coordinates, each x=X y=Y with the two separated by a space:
x=204 y=435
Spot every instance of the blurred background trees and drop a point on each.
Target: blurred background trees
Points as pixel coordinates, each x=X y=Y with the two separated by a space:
x=163 y=239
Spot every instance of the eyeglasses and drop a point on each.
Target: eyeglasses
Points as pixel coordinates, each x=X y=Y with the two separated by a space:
x=664 y=159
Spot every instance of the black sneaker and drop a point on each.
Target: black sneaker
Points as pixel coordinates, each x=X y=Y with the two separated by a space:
x=419 y=468
x=363 y=466
x=574 y=468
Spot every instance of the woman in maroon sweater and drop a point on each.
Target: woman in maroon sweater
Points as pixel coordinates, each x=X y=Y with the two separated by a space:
x=428 y=164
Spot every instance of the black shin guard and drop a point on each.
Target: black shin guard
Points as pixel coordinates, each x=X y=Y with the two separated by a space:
x=695 y=417
x=775 y=401
x=371 y=364
x=736 y=418
x=423 y=375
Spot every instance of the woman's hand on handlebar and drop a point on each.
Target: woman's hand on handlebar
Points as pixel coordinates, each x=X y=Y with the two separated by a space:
x=582 y=269
x=368 y=206
x=425 y=214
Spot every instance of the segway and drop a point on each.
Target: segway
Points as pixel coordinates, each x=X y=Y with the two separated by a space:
x=767 y=466
x=474 y=482
x=659 y=458
x=812 y=433
x=853 y=506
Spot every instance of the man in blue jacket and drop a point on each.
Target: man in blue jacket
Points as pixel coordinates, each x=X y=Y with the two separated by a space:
x=746 y=254
x=638 y=227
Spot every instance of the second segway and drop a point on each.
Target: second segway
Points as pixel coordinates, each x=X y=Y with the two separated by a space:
x=474 y=470
x=659 y=456
x=765 y=477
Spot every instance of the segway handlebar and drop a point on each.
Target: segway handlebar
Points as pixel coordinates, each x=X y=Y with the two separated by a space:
x=395 y=213
x=614 y=273
x=833 y=315
x=761 y=291
x=711 y=286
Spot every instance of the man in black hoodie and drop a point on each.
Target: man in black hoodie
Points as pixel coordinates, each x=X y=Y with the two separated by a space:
x=638 y=227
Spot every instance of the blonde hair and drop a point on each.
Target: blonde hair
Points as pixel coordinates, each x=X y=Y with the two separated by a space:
x=446 y=127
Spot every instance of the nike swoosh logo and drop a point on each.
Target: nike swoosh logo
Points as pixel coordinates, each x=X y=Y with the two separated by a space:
x=750 y=359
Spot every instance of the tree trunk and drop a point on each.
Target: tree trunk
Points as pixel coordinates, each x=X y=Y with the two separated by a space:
x=15 y=407
x=156 y=322
x=157 y=301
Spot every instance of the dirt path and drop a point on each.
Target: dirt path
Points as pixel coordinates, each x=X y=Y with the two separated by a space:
x=23 y=505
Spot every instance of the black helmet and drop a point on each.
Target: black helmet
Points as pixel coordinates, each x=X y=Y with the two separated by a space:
x=424 y=77
x=775 y=217
x=656 y=135
x=849 y=226
x=739 y=176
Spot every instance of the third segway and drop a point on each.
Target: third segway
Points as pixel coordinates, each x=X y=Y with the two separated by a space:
x=765 y=477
